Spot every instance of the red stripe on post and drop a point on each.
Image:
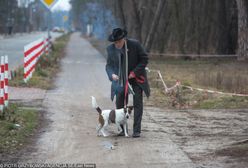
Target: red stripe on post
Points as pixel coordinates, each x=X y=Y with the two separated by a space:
x=26 y=53
x=29 y=71
x=1 y=100
x=2 y=84
x=6 y=96
x=6 y=81
x=6 y=67
x=33 y=58
x=2 y=81
x=2 y=68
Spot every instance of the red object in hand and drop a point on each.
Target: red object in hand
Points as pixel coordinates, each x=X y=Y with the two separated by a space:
x=131 y=75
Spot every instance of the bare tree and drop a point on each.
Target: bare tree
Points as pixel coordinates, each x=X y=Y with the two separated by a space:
x=137 y=21
x=179 y=26
x=242 y=29
x=121 y=13
x=150 y=36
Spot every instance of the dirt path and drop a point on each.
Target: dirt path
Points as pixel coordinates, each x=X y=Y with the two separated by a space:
x=71 y=134
x=203 y=134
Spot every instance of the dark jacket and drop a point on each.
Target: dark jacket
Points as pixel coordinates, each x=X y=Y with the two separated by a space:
x=137 y=61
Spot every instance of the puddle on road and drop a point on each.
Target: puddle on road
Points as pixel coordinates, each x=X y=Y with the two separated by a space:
x=108 y=145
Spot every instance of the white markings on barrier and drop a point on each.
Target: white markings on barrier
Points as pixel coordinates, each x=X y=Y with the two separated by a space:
x=6 y=81
x=32 y=53
x=47 y=45
x=2 y=84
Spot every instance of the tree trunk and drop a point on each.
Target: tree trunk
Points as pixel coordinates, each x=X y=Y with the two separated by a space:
x=242 y=29
x=121 y=13
x=150 y=36
x=137 y=21
x=222 y=28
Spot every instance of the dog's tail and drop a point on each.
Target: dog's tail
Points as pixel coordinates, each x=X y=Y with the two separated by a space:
x=94 y=105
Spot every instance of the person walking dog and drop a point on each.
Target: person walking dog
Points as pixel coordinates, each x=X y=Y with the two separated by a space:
x=126 y=62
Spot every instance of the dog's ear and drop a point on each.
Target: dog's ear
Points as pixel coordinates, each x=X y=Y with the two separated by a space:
x=130 y=108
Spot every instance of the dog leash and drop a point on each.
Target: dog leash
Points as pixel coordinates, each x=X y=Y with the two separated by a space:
x=126 y=84
x=125 y=94
x=126 y=50
x=140 y=79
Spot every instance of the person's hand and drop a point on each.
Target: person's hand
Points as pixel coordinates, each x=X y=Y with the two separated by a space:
x=131 y=75
x=115 y=77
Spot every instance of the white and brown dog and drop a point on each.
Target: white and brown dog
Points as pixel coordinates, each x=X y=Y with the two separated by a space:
x=117 y=116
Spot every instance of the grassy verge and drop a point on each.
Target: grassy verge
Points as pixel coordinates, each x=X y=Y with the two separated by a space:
x=213 y=74
x=15 y=126
x=226 y=75
x=46 y=69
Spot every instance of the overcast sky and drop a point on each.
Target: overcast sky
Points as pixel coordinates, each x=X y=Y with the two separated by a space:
x=62 y=5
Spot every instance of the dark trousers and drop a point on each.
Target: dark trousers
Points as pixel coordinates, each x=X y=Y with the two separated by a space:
x=138 y=106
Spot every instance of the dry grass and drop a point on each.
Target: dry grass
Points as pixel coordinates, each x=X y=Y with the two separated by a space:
x=13 y=137
x=223 y=75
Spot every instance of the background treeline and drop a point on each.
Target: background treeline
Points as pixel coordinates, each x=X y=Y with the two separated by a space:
x=22 y=16
x=27 y=16
x=172 y=26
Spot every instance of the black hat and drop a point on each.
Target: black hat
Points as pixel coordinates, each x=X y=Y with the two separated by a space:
x=117 y=34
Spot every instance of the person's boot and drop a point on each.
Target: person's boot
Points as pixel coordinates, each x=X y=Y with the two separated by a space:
x=121 y=133
x=136 y=135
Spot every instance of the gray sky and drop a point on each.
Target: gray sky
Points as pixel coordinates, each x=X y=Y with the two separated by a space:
x=62 y=5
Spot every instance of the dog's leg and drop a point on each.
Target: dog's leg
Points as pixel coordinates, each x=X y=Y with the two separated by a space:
x=125 y=129
x=119 y=129
x=99 y=127
x=103 y=129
